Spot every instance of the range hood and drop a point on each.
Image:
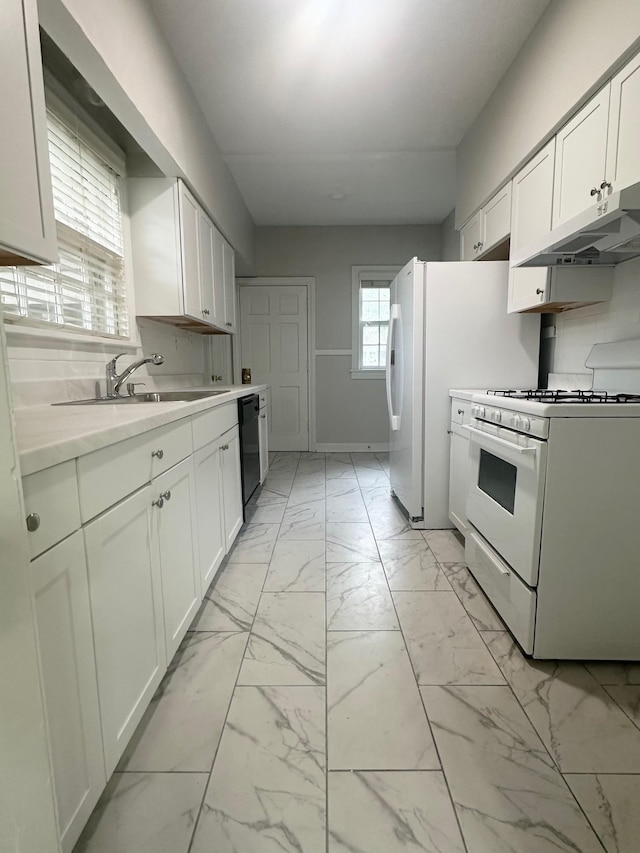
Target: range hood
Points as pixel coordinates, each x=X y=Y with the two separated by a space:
x=607 y=233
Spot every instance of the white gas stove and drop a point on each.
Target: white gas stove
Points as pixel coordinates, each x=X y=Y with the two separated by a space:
x=554 y=509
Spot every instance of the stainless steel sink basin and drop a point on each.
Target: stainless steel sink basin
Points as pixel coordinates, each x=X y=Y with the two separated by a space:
x=150 y=397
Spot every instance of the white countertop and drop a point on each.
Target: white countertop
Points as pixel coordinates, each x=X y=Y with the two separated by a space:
x=462 y=393
x=48 y=435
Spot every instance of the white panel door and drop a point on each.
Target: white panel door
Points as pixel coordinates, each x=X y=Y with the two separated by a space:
x=532 y=200
x=581 y=151
x=273 y=328
x=189 y=239
x=211 y=539
x=126 y=605
x=231 y=485
x=65 y=638
x=174 y=522
x=623 y=162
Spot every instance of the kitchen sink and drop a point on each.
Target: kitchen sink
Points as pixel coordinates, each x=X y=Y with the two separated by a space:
x=149 y=397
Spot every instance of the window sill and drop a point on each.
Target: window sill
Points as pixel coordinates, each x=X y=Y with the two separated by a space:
x=21 y=333
x=367 y=374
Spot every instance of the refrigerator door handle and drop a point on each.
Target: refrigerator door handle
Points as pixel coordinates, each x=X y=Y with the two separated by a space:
x=394 y=419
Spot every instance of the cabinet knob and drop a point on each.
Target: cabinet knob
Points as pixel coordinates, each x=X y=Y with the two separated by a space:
x=33 y=522
x=480 y=244
x=159 y=503
x=605 y=185
x=595 y=191
x=461 y=411
x=206 y=312
x=539 y=291
x=228 y=323
x=263 y=416
x=158 y=453
x=224 y=447
x=475 y=246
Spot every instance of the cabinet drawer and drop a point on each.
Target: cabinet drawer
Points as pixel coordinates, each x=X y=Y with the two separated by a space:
x=207 y=426
x=111 y=473
x=460 y=411
x=52 y=494
x=510 y=596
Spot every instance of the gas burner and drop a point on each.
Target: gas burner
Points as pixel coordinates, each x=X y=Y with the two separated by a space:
x=546 y=395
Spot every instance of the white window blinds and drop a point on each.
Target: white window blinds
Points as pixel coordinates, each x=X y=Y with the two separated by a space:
x=374 y=300
x=86 y=290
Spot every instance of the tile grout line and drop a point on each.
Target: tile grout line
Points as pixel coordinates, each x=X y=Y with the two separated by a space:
x=435 y=745
x=226 y=716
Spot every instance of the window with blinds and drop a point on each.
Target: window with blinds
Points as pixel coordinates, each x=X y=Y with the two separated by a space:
x=85 y=290
x=371 y=311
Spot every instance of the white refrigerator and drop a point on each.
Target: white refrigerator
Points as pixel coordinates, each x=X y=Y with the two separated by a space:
x=448 y=328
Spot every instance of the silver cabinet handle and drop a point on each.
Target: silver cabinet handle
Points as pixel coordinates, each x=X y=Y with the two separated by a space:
x=263 y=416
x=228 y=323
x=606 y=185
x=539 y=291
x=480 y=244
x=594 y=191
x=475 y=246
x=33 y=522
x=461 y=411
x=206 y=312
x=158 y=453
x=164 y=496
x=224 y=447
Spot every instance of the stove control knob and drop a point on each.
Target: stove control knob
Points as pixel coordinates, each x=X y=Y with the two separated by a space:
x=516 y=422
x=497 y=416
x=478 y=411
x=526 y=424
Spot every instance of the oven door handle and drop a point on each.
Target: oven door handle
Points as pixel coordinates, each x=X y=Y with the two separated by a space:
x=494 y=438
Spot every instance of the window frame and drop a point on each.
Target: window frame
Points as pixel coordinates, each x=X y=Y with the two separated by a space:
x=384 y=272
x=27 y=330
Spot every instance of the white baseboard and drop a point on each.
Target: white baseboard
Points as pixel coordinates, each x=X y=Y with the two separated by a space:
x=379 y=447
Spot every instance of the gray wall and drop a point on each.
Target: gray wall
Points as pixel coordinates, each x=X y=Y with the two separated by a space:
x=120 y=50
x=570 y=52
x=450 y=238
x=348 y=411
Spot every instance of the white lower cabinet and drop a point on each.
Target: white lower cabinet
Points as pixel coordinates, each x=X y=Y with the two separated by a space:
x=210 y=513
x=128 y=624
x=263 y=440
x=459 y=467
x=174 y=528
x=231 y=485
x=65 y=639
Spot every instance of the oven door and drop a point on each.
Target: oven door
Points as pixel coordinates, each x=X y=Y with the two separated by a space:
x=506 y=490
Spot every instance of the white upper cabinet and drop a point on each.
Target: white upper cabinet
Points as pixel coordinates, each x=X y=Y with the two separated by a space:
x=549 y=290
x=623 y=146
x=489 y=227
x=180 y=259
x=581 y=153
x=470 y=238
x=532 y=207
x=229 y=286
x=27 y=225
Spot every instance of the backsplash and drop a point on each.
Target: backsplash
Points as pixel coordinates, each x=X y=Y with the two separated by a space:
x=43 y=371
x=577 y=330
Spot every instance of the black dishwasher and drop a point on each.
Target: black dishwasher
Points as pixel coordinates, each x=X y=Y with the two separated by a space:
x=248 y=408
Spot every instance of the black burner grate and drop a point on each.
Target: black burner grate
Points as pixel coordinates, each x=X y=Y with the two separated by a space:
x=546 y=395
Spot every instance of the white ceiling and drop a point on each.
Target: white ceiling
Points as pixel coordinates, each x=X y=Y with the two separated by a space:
x=332 y=112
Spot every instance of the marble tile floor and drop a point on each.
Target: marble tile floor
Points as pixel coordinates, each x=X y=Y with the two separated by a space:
x=347 y=688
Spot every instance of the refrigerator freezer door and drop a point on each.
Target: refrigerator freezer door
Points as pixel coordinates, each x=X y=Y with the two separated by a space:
x=405 y=388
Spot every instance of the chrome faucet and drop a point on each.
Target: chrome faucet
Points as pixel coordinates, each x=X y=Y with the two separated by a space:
x=115 y=380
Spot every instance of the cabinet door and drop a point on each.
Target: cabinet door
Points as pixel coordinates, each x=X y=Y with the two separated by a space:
x=27 y=225
x=470 y=238
x=229 y=286
x=65 y=639
x=581 y=150
x=210 y=513
x=126 y=606
x=174 y=525
x=263 y=439
x=189 y=210
x=496 y=219
x=205 y=249
x=459 y=472
x=218 y=279
x=231 y=485
x=528 y=288
x=623 y=162
x=532 y=206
